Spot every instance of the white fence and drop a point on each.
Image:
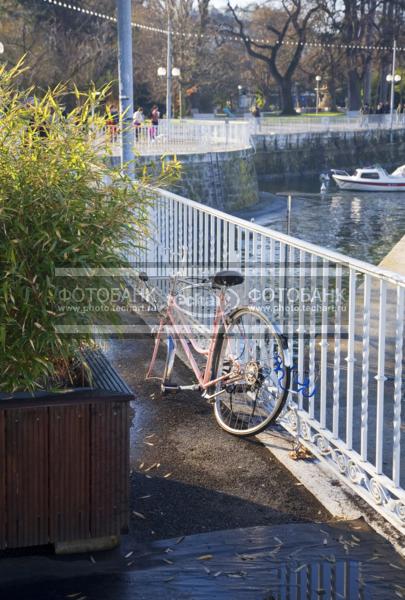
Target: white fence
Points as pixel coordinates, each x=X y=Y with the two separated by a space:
x=200 y=136
x=325 y=124
x=344 y=320
x=187 y=136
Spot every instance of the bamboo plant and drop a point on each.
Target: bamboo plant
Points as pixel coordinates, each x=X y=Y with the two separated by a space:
x=62 y=208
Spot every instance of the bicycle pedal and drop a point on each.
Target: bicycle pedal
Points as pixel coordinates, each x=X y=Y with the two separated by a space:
x=174 y=387
x=169 y=387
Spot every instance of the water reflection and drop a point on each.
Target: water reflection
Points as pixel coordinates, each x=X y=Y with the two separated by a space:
x=329 y=580
x=362 y=225
x=356 y=210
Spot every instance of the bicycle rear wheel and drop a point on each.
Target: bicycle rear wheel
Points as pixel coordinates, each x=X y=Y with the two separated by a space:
x=250 y=350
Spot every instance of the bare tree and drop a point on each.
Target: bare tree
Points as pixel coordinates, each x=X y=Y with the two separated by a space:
x=295 y=20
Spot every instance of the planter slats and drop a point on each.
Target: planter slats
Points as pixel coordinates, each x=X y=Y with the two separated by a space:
x=110 y=462
x=27 y=495
x=104 y=374
x=64 y=465
x=70 y=472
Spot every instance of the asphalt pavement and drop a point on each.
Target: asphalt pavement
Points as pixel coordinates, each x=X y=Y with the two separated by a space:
x=188 y=475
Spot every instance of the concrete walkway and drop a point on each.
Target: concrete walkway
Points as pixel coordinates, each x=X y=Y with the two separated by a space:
x=395 y=259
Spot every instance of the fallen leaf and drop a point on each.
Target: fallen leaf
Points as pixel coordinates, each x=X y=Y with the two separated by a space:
x=217 y=573
x=167 y=475
x=138 y=514
x=278 y=541
x=149 y=443
x=149 y=436
x=92 y=559
x=141 y=465
x=205 y=557
x=129 y=554
x=167 y=561
x=151 y=467
x=237 y=575
x=300 y=453
x=180 y=539
x=144 y=497
x=396 y=566
x=206 y=569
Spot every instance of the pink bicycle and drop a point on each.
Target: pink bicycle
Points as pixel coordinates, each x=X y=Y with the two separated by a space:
x=246 y=364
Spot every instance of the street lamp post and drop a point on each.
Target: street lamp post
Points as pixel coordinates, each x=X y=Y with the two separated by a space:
x=240 y=88
x=176 y=73
x=318 y=80
x=125 y=72
x=393 y=78
x=169 y=68
x=162 y=72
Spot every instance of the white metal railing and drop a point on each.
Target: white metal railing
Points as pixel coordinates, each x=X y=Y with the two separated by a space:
x=324 y=124
x=199 y=136
x=187 y=136
x=344 y=320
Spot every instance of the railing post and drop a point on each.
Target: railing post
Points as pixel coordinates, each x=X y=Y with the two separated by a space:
x=380 y=377
x=350 y=359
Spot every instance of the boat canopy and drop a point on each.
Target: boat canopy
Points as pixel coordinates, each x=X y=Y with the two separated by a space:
x=400 y=172
x=371 y=173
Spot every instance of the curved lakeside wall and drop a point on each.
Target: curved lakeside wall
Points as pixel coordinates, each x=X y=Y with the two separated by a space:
x=225 y=180
x=278 y=155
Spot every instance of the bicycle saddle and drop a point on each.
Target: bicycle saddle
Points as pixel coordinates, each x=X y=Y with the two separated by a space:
x=227 y=279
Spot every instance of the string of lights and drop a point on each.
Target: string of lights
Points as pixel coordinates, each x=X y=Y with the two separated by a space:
x=227 y=36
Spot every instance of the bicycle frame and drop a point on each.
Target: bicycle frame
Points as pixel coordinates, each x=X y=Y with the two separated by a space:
x=170 y=319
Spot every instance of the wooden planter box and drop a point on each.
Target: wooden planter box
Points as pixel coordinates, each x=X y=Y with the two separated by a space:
x=64 y=465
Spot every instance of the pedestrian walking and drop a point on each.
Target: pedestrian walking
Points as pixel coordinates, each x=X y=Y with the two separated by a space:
x=138 y=120
x=154 y=117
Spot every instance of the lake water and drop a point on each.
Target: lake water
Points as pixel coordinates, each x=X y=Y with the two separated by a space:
x=359 y=224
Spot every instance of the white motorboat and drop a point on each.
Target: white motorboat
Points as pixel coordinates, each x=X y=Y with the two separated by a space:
x=371 y=179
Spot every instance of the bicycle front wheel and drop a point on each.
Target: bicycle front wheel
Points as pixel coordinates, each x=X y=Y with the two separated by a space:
x=252 y=358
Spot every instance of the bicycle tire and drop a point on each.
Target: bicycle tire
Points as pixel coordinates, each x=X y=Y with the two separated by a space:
x=281 y=374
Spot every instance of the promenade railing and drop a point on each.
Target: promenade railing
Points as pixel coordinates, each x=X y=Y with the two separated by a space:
x=344 y=321
x=187 y=136
x=314 y=124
